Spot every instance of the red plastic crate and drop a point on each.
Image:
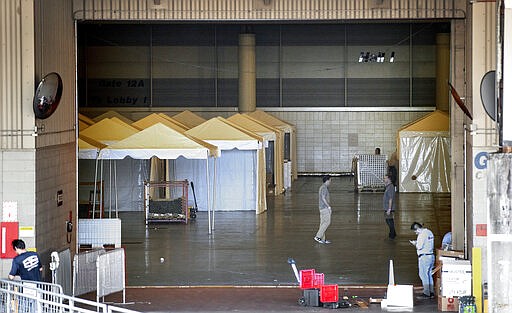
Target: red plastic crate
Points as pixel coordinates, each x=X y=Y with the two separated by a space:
x=307 y=279
x=319 y=280
x=329 y=293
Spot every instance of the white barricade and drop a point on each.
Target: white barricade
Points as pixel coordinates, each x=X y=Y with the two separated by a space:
x=111 y=273
x=84 y=271
x=101 y=271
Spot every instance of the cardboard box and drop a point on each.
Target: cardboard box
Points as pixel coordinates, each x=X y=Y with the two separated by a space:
x=456 y=278
x=449 y=254
x=447 y=304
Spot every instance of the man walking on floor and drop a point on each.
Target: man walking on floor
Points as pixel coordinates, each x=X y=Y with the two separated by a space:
x=324 y=205
x=388 y=203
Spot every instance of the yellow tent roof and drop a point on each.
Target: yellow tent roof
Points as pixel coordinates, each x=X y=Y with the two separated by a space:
x=225 y=135
x=174 y=121
x=188 y=118
x=110 y=114
x=119 y=121
x=85 y=119
x=107 y=131
x=435 y=121
x=266 y=131
x=82 y=125
x=154 y=118
x=160 y=141
x=88 y=148
x=85 y=142
x=272 y=120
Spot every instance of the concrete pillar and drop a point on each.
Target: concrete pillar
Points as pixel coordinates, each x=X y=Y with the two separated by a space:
x=442 y=70
x=457 y=120
x=246 y=73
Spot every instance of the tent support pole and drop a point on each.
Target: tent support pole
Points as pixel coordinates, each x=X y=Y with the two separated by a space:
x=109 y=188
x=95 y=191
x=101 y=191
x=208 y=197
x=115 y=187
x=214 y=191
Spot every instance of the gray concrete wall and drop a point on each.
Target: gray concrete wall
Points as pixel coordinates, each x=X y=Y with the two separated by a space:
x=17 y=184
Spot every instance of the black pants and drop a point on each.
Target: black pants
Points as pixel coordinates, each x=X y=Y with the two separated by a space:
x=391 y=224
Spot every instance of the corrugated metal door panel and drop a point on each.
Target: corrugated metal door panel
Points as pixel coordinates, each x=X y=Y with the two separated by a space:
x=11 y=109
x=277 y=9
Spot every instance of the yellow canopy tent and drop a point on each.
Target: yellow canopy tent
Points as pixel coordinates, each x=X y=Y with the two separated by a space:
x=288 y=128
x=273 y=138
x=88 y=148
x=159 y=168
x=107 y=131
x=424 y=154
x=82 y=125
x=241 y=169
x=174 y=121
x=160 y=141
x=188 y=118
x=165 y=143
x=110 y=114
x=269 y=120
x=85 y=119
x=155 y=118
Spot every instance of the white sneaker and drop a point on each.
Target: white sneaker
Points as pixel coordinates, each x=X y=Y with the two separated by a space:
x=319 y=240
x=327 y=241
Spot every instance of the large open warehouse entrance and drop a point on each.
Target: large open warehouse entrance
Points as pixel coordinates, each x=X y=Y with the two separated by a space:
x=347 y=88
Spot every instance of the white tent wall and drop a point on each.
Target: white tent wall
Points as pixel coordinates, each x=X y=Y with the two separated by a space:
x=235 y=184
x=131 y=175
x=424 y=161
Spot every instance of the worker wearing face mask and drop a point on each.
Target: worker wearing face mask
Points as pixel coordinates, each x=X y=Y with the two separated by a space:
x=425 y=249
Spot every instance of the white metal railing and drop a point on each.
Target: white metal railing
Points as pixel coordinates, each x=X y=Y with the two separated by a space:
x=39 y=297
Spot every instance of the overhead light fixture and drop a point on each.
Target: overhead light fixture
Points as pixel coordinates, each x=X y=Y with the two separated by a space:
x=392 y=58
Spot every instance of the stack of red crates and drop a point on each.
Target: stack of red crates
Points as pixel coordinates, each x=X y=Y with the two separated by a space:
x=309 y=279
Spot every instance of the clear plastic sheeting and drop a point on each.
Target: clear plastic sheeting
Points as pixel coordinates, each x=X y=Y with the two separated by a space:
x=129 y=176
x=499 y=239
x=424 y=161
x=235 y=183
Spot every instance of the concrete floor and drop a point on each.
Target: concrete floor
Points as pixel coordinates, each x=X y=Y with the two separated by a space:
x=249 y=250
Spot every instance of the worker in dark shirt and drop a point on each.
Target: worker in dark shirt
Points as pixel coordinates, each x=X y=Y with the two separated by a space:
x=26 y=264
x=388 y=203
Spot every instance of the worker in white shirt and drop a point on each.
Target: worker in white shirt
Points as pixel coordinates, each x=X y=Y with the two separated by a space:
x=425 y=249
